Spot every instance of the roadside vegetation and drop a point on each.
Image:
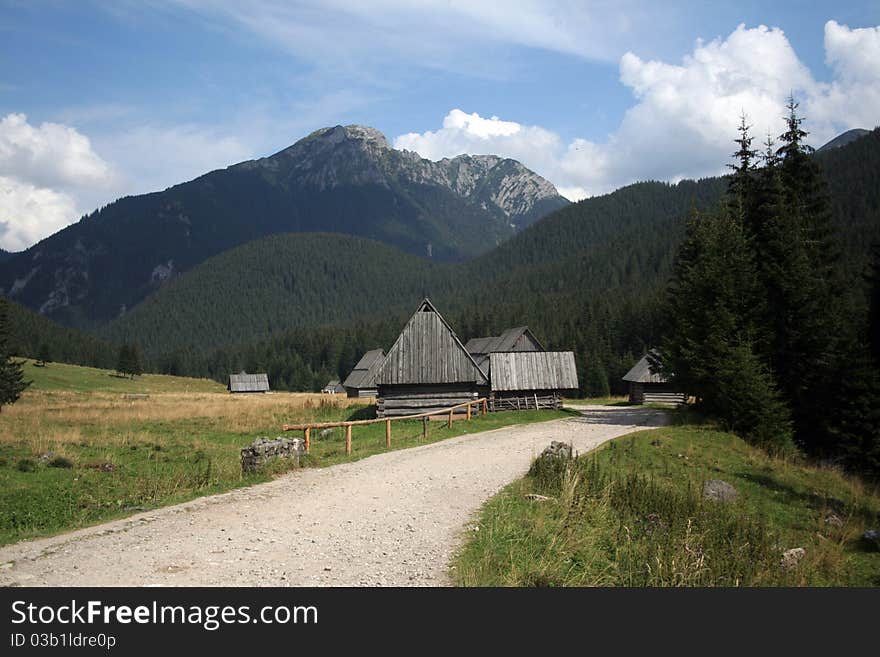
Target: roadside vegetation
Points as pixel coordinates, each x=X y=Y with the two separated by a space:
x=632 y=513
x=82 y=445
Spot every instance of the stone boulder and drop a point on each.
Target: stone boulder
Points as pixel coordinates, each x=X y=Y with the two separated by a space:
x=791 y=558
x=719 y=491
x=264 y=449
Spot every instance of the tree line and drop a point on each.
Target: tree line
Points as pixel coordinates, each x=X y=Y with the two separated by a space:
x=760 y=322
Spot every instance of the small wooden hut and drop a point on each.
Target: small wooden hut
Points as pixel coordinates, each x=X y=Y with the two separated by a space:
x=649 y=387
x=362 y=380
x=427 y=368
x=333 y=387
x=526 y=380
x=243 y=382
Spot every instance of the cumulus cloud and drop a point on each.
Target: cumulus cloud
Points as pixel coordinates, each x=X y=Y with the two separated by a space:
x=28 y=213
x=43 y=171
x=685 y=115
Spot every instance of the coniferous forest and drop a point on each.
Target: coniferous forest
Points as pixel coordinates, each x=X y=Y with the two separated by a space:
x=772 y=316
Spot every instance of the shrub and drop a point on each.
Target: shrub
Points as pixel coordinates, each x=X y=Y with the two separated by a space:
x=26 y=465
x=60 y=462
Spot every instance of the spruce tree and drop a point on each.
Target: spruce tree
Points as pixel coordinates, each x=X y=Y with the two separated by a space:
x=710 y=346
x=12 y=382
x=44 y=355
x=874 y=307
x=124 y=363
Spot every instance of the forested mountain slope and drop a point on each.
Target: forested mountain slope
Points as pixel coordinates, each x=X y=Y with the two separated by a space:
x=344 y=180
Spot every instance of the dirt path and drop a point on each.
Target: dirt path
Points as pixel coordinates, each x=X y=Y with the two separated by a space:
x=393 y=519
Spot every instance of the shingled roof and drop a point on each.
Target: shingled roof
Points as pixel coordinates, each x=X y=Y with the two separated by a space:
x=243 y=382
x=507 y=341
x=364 y=373
x=641 y=371
x=428 y=351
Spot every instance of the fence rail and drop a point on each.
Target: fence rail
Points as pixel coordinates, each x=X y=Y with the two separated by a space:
x=307 y=427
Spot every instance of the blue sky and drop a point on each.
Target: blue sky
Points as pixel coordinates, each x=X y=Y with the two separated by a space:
x=98 y=100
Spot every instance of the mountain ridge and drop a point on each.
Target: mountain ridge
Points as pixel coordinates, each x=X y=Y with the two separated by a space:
x=346 y=180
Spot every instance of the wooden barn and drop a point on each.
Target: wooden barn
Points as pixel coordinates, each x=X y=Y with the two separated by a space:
x=427 y=368
x=362 y=380
x=515 y=339
x=333 y=387
x=243 y=382
x=649 y=387
x=529 y=380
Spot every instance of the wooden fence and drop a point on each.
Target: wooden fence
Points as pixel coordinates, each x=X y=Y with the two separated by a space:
x=307 y=427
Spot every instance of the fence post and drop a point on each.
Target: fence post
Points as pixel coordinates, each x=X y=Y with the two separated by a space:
x=485 y=407
x=348 y=439
x=449 y=423
x=424 y=427
x=388 y=433
x=469 y=411
x=307 y=438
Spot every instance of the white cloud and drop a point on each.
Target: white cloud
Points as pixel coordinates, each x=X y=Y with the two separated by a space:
x=29 y=213
x=45 y=173
x=684 y=120
x=49 y=155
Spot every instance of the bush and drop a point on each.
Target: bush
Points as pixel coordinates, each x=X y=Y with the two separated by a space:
x=60 y=462
x=26 y=465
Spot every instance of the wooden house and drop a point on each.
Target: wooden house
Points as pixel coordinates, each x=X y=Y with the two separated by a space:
x=427 y=368
x=333 y=388
x=524 y=380
x=243 y=382
x=649 y=387
x=515 y=339
x=362 y=380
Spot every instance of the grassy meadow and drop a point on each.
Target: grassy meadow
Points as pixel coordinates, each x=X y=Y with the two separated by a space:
x=76 y=449
x=632 y=514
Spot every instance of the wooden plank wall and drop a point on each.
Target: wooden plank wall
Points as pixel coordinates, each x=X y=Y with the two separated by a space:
x=427 y=352
x=533 y=370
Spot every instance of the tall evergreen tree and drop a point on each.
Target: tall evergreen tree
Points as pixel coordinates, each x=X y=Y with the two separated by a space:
x=12 y=382
x=874 y=307
x=714 y=304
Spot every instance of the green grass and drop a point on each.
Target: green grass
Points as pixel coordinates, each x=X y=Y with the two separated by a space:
x=71 y=459
x=632 y=514
x=74 y=378
x=600 y=401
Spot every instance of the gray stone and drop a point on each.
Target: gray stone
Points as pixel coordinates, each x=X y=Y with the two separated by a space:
x=264 y=449
x=719 y=491
x=557 y=450
x=872 y=536
x=791 y=558
x=833 y=520
x=538 y=498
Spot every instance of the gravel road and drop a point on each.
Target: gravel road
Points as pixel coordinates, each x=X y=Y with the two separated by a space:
x=394 y=519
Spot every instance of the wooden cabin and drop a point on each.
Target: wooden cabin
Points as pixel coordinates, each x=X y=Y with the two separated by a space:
x=243 y=382
x=333 y=387
x=427 y=368
x=514 y=339
x=530 y=380
x=362 y=380
x=649 y=387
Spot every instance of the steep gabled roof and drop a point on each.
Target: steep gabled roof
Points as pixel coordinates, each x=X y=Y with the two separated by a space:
x=533 y=370
x=364 y=373
x=512 y=339
x=428 y=351
x=641 y=371
x=248 y=382
x=333 y=386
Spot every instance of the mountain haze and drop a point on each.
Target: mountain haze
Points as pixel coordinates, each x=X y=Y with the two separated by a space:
x=343 y=180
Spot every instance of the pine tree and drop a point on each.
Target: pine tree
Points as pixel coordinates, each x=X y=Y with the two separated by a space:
x=874 y=308
x=124 y=363
x=714 y=305
x=12 y=382
x=44 y=355
x=136 y=367
x=597 y=379
x=804 y=294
